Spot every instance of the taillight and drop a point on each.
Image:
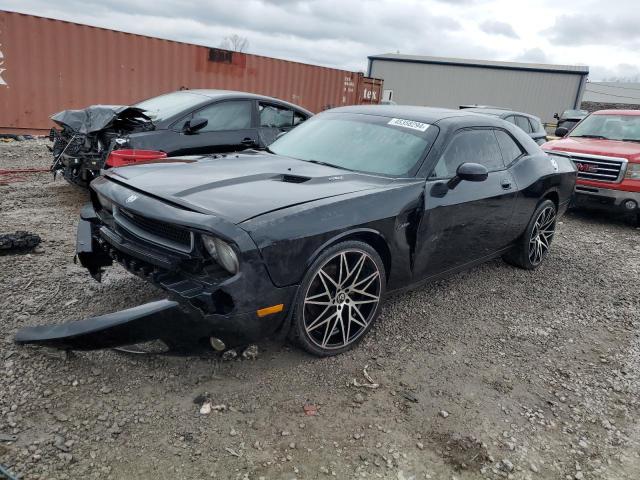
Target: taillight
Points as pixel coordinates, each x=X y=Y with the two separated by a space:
x=120 y=158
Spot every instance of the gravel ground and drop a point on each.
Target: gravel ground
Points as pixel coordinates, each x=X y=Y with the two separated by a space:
x=493 y=373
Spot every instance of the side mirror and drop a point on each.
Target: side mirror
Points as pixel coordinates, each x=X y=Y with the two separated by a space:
x=561 y=131
x=195 y=124
x=471 y=172
x=555 y=115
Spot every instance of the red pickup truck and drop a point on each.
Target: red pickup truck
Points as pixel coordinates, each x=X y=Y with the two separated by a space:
x=605 y=148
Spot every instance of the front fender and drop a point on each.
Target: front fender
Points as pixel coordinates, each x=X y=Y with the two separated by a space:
x=291 y=240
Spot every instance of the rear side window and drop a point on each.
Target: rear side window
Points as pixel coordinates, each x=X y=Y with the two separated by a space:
x=508 y=146
x=277 y=117
x=523 y=123
x=537 y=125
x=474 y=146
x=232 y=115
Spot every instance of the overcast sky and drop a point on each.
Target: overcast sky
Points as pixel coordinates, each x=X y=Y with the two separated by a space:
x=341 y=33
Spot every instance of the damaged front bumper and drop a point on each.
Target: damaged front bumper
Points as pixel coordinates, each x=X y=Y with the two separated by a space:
x=204 y=300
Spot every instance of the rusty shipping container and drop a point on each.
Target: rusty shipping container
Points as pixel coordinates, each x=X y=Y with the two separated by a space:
x=51 y=65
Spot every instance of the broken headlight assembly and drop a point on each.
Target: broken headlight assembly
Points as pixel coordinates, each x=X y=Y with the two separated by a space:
x=222 y=253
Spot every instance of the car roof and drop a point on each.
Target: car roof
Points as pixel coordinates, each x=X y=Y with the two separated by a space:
x=617 y=112
x=429 y=115
x=501 y=112
x=221 y=94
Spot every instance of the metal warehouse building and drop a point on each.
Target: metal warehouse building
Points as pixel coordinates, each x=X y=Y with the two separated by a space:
x=450 y=82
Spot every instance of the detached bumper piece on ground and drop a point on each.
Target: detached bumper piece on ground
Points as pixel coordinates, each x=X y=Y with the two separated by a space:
x=127 y=327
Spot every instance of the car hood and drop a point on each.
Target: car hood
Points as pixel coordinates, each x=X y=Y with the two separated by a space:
x=96 y=117
x=242 y=186
x=594 y=146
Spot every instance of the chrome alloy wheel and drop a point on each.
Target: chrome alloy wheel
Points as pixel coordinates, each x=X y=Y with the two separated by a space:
x=541 y=235
x=342 y=299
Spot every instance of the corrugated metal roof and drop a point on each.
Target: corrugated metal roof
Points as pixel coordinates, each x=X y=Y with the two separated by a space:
x=538 y=67
x=612 y=92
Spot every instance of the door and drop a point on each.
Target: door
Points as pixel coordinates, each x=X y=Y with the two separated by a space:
x=228 y=129
x=473 y=220
x=274 y=120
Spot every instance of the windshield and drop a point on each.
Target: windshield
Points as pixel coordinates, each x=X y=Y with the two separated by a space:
x=609 y=127
x=166 y=106
x=366 y=143
x=574 y=113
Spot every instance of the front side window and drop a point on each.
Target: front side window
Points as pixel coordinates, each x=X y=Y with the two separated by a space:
x=366 y=143
x=230 y=115
x=470 y=146
x=609 y=127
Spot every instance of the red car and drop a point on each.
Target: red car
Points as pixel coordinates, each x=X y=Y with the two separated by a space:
x=605 y=148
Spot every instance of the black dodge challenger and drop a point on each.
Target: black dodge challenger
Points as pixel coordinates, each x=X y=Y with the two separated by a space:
x=309 y=236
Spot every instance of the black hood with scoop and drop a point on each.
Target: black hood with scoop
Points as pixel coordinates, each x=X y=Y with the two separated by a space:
x=242 y=186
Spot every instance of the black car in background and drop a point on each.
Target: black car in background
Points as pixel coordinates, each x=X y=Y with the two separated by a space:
x=530 y=124
x=310 y=235
x=186 y=122
x=569 y=119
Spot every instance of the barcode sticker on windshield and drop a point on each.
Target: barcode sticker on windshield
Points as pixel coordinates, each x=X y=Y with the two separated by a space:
x=400 y=122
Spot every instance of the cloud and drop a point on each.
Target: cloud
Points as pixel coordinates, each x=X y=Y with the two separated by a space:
x=496 y=27
x=596 y=29
x=342 y=33
x=535 y=55
x=622 y=72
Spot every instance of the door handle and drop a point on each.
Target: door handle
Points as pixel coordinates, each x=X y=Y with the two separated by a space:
x=506 y=184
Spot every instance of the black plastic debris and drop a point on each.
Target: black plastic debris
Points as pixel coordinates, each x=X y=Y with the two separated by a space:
x=18 y=242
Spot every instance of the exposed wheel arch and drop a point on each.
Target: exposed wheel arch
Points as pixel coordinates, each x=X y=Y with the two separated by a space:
x=553 y=196
x=366 y=235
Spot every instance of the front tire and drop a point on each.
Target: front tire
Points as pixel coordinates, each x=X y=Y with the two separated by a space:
x=533 y=246
x=339 y=299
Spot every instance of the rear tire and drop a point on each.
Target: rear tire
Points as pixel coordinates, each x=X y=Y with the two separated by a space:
x=533 y=246
x=339 y=299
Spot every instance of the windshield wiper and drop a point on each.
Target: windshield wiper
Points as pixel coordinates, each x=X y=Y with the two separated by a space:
x=268 y=150
x=630 y=140
x=326 y=164
x=591 y=136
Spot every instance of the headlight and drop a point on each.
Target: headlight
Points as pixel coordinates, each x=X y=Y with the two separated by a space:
x=221 y=252
x=105 y=202
x=633 y=171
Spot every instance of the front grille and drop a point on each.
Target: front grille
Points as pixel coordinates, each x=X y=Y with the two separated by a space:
x=155 y=230
x=602 y=169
